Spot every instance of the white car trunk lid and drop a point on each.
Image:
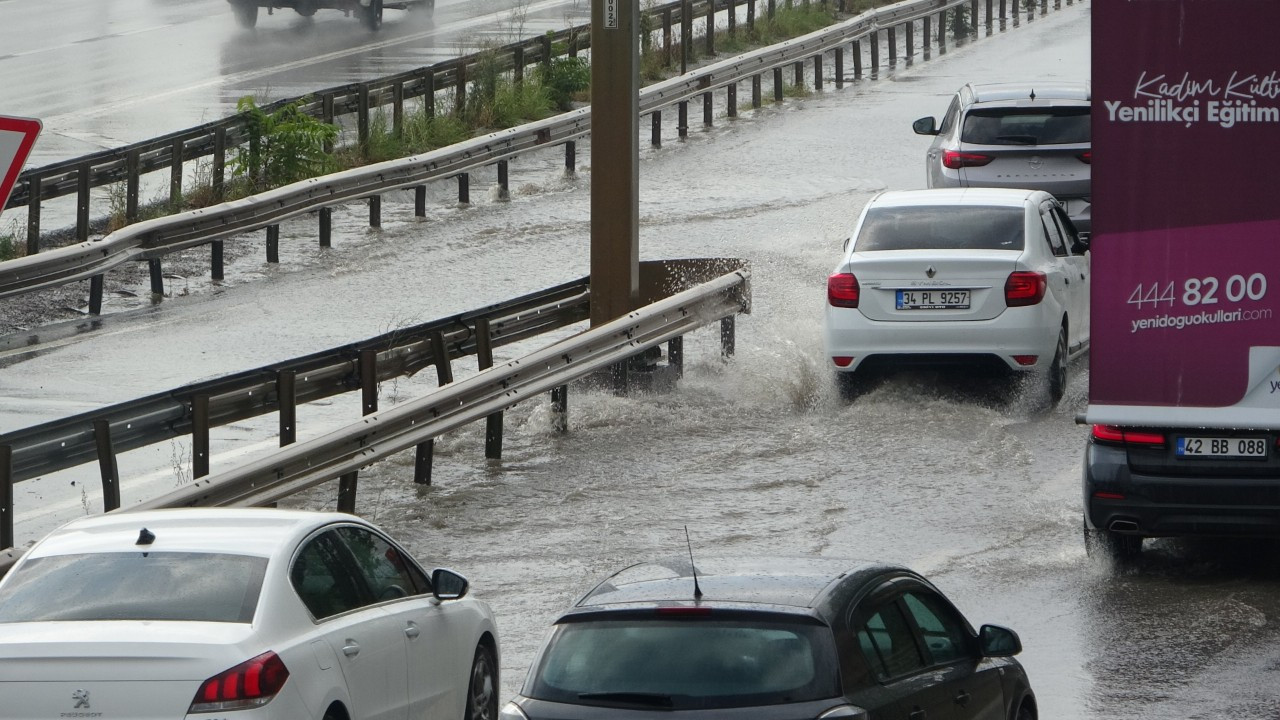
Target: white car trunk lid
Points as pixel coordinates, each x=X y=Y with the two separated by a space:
x=892 y=281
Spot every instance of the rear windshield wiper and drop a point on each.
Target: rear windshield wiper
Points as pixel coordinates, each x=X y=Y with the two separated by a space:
x=630 y=698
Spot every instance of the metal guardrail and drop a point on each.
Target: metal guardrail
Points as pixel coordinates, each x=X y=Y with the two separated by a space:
x=152 y=239
x=342 y=453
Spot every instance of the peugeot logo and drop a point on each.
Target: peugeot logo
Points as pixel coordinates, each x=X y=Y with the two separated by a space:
x=930 y=272
x=82 y=699
x=1035 y=162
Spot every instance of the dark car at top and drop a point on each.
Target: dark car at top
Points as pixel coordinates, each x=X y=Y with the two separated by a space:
x=776 y=638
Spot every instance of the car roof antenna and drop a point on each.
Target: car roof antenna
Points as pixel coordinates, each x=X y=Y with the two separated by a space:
x=697 y=591
x=1033 y=94
x=146 y=537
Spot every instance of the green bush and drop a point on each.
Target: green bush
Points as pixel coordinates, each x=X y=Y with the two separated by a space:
x=284 y=146
x=564 y=78
x=9 y=248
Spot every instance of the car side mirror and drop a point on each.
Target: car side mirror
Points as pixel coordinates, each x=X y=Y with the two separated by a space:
x=925 y=126
x=997 y=641
x=448 y=585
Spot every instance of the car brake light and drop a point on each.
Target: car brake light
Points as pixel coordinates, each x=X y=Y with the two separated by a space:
x=1086 y=157
x=250 y=684
x=1117 y=434
x=842 y=360
x=954 y=160
x=684 y=610
x=1024 y=288
x=1104 y=495
x=1026 y=360
x=843 y=290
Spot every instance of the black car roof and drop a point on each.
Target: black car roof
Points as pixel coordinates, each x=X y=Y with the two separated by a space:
x=799 y=583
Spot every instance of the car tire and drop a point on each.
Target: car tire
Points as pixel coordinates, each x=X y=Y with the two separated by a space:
x=306 y=8
x=482 y=690
x=1025 y=712
x=373 y=15
x=1112 y=545
x=246 y=13
x=850 y=385
x=1057 y=379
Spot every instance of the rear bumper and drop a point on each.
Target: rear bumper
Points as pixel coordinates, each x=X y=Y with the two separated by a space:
x=1154 y=506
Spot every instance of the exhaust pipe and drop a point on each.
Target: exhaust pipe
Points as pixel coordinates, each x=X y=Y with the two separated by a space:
x=1124 y=526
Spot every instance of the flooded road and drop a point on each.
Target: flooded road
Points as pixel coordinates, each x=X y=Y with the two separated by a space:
x=757 y=455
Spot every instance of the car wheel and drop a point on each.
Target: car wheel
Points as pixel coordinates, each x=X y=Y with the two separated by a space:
x=306 y=8
x=246 y=13
x=373 y=15
x=851 y=385
x=1058 y=369
x=1025 y=712
x=1112 y=545
x=482 y=691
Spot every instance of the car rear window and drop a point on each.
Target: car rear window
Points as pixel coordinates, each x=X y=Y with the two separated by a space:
x=1026 y=126
x=941 y=227
x=686 y=664
x=134 y=586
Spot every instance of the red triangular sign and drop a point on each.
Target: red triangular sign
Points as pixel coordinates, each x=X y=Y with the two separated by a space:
x=17 y=136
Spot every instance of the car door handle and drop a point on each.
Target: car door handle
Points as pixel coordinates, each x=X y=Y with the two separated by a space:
x=962 y=698
x=351 y=649
x=917 y=714
x=411 y=631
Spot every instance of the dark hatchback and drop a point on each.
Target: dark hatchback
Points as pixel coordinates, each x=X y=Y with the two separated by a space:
x=1164 y=482
x=784 y=639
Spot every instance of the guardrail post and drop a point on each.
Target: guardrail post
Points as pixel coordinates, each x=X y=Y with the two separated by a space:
x=911 y=43
x=799 y=73
x=95 y=294
x=773 y=8
x=218 y=174
x=751 y=14
x=989 y=17
x=484 y=360
x=571 y=157
x=893 y=46
x=504 y=184
x=733 y=17
x=517 y=60
x=422 y=459
x=620 y=378
x=682 y=119
x=711 y=28
x=926 y=37
x=1017 y=12
x=464 y=188
x=686 y=36
x=132 y=183
x=368 y=368
x=33 y=215
x=362 y=117
x=560 y=409
x=287 y=400
x=429 y=92
x=6 y=497
x=82 y=202
x=731 y=100
x=326 y=227
x=546 y=50
x=347 y=492
x=273 y=243
x=157 y=276
x=1004 y=14
x=655 y=128
x=675 y=354
x=199 y=436
x=375 y=211
x=839 y=53
x=777 y=85
x=397 y=108
x=666 y=38
x=875 y=54
x=107 y=467
x=420 y=201
x=728 y=336
x=942 y=33
x=817 y=72
x=440 y=350
x=460 y=89
x=857 y=59
x=755 y=91
x=1044 y=7
x=708 y=107
x=175 y=174
x=215 y=260
x=573 y=43
x=973 y=18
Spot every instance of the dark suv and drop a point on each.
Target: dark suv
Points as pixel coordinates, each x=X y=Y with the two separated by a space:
x=1152 y=482
x=776 y=639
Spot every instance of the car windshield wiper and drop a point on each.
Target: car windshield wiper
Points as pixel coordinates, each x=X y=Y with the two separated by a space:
x=630 y=698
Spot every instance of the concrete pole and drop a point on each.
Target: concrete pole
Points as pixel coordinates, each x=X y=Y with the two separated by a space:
x=615 y=159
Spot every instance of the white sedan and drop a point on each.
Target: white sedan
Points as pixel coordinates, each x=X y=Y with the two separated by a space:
x=239 y=614
x=986 y=277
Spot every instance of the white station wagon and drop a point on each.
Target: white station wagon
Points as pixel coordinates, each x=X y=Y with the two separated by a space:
x=986 y=277
x=239 y=614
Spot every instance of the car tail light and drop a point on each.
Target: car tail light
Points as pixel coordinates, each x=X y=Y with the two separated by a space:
x=1026 y=360
x=954 y=160
x=843 y=290
x=1104 y=495
x=1086 y=157
x=1127 y=436
x=1024 y=288
x=842 y=360
x=250 y=684
x=684 y=611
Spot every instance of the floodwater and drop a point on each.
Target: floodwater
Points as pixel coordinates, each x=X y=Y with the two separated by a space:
x=756 y=455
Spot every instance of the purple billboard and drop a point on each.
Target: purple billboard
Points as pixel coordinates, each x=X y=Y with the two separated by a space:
x=1186 y=213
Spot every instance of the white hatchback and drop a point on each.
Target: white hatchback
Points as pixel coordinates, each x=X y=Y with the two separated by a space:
x=239 y=614
x=976 y=276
